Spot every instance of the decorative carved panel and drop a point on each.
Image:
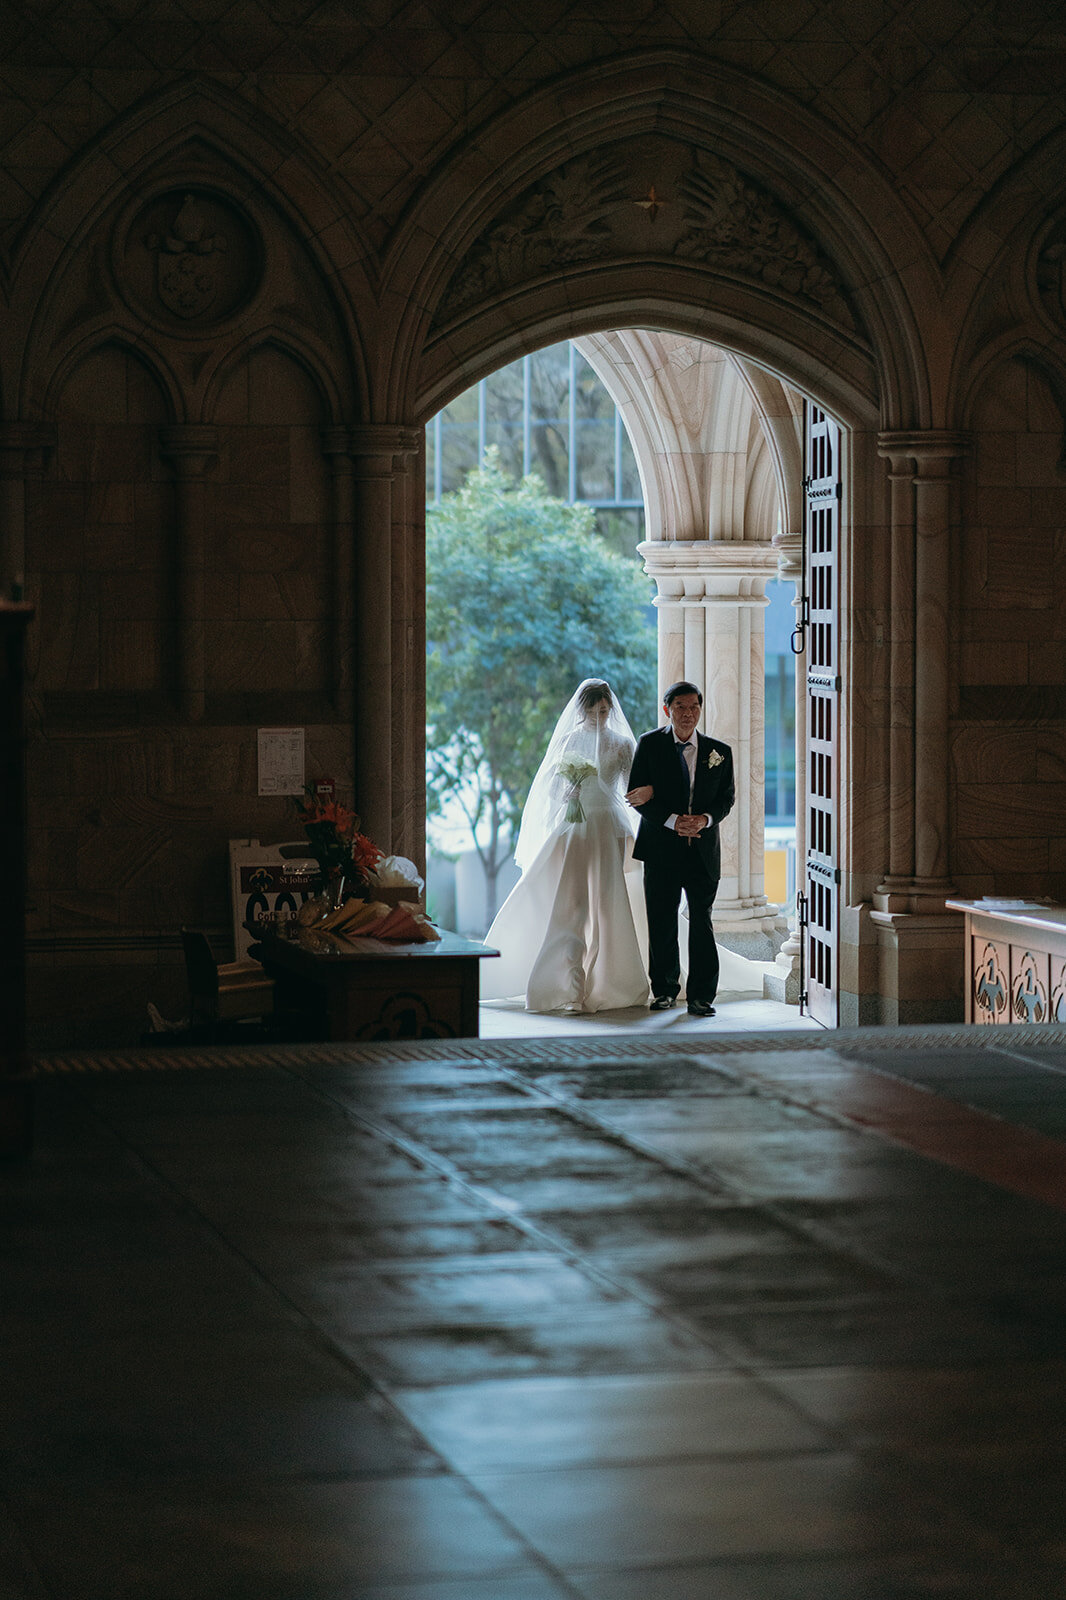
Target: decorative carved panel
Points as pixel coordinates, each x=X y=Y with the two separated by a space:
x=1057 y=1012
x=640 y=198
x=991 y=980
x=1028 y=985
x=189 y=257
x=739 y=228
x=563 y=220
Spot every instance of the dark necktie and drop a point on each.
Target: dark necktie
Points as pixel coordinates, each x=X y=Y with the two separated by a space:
x=681 y=748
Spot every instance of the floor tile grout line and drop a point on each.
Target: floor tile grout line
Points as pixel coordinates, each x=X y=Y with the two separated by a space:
x=558 y=1245
x=329 y=1345
x=740 y=1359
x=325 y=1342
x=658 y=1159
x=708 y=1178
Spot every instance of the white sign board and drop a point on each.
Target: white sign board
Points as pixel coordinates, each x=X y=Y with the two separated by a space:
x=281 y=761
x=267 y=880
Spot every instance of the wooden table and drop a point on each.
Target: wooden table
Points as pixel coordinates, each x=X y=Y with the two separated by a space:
x=381 y=990
x=1015 y=961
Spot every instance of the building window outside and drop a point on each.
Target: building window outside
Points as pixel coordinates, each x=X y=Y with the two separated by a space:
x=549 y=413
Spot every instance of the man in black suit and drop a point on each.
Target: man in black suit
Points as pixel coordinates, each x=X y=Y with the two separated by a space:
x=682 y=785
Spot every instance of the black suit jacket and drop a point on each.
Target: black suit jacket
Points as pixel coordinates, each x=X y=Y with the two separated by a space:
x=656 y=762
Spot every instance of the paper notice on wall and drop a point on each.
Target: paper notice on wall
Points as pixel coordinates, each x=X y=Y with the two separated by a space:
x=281 y=761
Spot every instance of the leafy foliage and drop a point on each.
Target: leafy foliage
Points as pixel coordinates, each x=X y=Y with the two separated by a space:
x=524 y=600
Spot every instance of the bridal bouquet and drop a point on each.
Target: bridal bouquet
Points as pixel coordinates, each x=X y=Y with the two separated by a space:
x=575 y=771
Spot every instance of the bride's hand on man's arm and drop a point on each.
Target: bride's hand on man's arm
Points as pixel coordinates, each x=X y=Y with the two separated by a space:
x=640 y=795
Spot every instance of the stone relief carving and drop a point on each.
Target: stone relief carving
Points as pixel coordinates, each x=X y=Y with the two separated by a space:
x=731 y=223
x=562 y=221
x=187 y=278
x=664 y=201
x=189 y=255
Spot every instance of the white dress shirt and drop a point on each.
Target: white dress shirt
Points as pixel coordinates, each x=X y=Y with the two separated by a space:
x=688 y=755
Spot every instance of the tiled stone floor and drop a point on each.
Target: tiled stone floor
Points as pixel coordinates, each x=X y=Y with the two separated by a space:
x=610 y=1316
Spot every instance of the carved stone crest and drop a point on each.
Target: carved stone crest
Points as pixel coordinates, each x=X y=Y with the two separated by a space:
x=187 y=278
x=188 y=256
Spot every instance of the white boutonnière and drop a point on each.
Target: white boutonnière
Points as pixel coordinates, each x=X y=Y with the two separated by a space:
x=715 y=759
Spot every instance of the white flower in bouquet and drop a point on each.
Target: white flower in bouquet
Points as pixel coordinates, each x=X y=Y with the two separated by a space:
x=575 y=771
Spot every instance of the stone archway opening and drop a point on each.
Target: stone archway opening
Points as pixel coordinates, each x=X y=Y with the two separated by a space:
x=717 y=443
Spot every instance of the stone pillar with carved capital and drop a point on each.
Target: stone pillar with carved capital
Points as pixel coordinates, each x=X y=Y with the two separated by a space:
x=23 y=449
x=919 y=941
x=921 y=506
x=192 y=449
x=375 y=451
x=897 y=884
x=712 y=595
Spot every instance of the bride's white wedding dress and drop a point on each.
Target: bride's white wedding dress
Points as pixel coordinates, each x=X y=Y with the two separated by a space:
x=566 y=933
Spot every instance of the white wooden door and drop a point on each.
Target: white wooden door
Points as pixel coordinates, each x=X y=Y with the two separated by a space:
x=822 y=486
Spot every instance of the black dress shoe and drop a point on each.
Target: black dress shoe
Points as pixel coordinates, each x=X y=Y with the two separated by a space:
x=662 y=1002
x=700 y=1008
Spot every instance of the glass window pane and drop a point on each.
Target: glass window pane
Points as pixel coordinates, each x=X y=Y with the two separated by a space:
x=458 y=453
x=595 y=458
x=549 y=394
x=780 y=743
x=504 y=411
x=550 y=458
x=507 y=437
x=631 y=489
x=591 y=399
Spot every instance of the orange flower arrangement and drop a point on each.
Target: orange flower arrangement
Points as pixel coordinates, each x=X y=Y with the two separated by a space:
x=338 y=846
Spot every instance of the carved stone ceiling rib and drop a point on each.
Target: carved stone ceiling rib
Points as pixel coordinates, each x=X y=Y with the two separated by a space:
x=945 y=96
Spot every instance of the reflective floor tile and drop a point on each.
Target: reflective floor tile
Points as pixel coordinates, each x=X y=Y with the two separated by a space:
x=542 y=1422
x=375 y=1298
x=935 y=1575
x=275 y=1544
x=967 y=1413
x=626 y=1339
x=688 y=1511
x=899 y=1329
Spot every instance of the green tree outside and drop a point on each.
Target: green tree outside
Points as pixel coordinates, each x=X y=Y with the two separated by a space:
x=524 y=599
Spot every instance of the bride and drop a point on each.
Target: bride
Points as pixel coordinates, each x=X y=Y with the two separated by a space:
x=565 y=933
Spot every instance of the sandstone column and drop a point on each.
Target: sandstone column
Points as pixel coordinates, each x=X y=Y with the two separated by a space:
x=901 y=649
x=374 y=450
x=712 y=594
x=921 y=509
x=919 y=941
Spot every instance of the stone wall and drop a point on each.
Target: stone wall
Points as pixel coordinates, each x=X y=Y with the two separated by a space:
x=211 y=409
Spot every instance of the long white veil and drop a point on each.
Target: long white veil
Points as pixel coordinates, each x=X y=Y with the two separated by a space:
x=582 y=733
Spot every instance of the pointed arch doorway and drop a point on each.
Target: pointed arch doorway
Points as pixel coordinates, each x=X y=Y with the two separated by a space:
x=719 y=447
